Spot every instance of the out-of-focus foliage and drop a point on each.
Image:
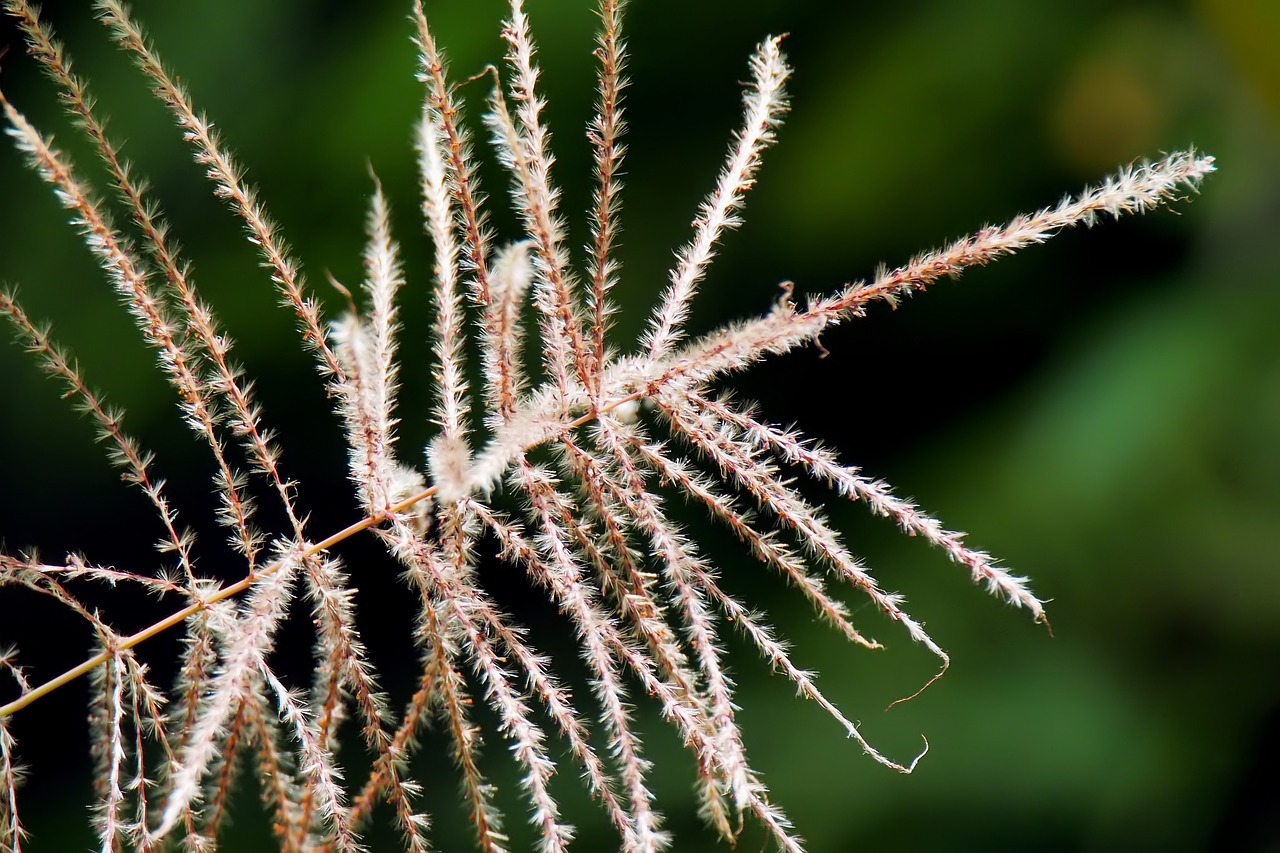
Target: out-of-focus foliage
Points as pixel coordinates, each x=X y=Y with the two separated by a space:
x=1104 y=412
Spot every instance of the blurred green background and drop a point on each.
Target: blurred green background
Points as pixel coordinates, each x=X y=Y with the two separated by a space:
x=1101 y=412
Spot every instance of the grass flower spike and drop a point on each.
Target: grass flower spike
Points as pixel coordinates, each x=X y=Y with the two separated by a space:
x=562 y=470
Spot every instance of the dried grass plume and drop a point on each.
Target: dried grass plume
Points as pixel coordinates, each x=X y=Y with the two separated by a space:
x=564 y=467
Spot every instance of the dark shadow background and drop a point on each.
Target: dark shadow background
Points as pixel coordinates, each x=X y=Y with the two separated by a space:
x=1101 y=412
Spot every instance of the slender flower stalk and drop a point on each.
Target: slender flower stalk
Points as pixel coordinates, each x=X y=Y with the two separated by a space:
x=570 y=473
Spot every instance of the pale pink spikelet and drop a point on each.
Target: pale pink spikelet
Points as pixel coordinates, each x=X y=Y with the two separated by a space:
x=438 y=213
x=11 y=832
x=605 y=131
x=764 y=105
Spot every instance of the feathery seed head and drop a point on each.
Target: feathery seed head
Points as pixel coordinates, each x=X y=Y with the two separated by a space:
x=588 y=521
